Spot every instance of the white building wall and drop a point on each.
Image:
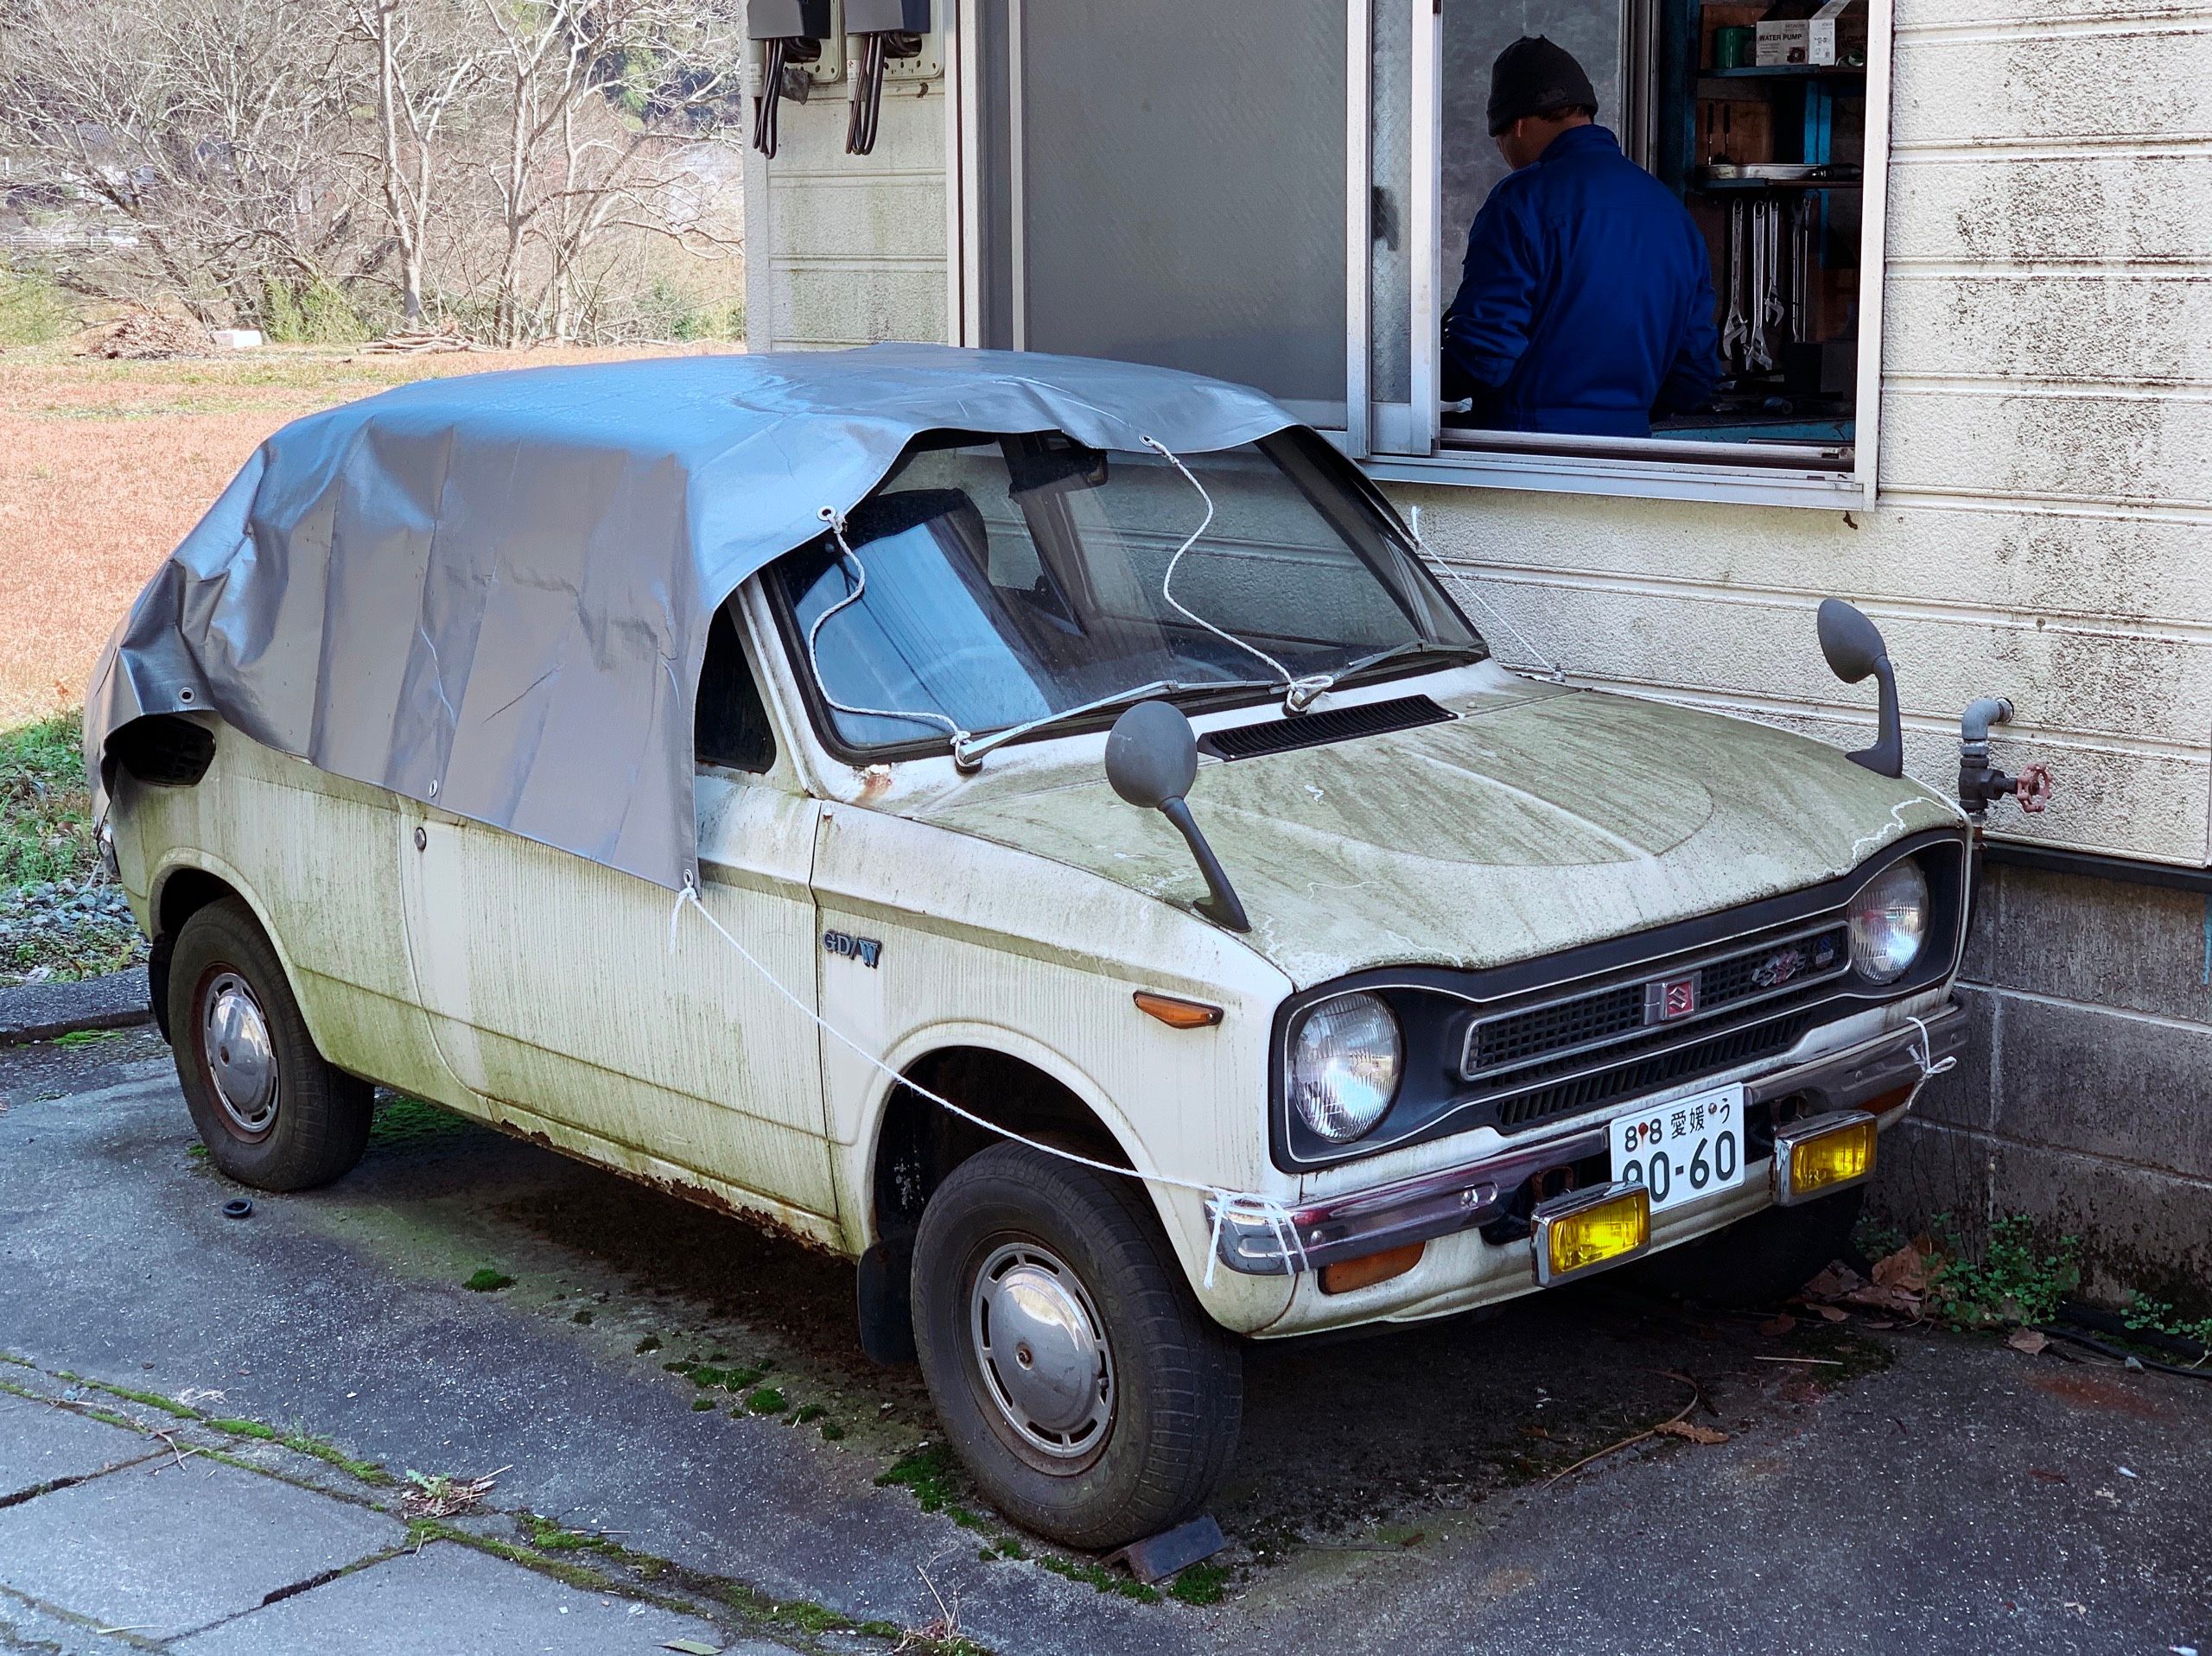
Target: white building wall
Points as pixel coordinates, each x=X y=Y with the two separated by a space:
x=856 y=245
x=2045 y=526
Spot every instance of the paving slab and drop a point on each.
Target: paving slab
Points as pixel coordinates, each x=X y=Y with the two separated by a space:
x=26 y=1628
x=164 y=1550
x=448 y=1598
x=41 y=1445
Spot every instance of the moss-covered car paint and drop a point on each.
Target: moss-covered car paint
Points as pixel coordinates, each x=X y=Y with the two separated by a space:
x=1015 y=910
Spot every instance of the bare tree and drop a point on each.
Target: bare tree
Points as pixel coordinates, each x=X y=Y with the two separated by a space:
x=208 y=128
x=426 y=66
x=596 y=91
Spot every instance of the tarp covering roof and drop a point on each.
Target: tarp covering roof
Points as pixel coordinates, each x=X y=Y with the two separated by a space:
x=492 y=592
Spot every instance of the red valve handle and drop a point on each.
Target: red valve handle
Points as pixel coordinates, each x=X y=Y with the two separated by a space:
x=2032 y=789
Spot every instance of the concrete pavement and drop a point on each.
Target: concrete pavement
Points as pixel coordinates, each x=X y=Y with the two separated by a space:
x=113 y=1537
x=1879 y=1489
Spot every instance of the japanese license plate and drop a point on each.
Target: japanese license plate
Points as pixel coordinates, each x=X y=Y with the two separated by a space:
x=1682 y=1150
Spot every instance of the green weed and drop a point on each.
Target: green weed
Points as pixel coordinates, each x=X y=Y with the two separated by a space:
x=46 y=810
x=767 y=1400
x=2148 y=1316
x=487 y=1281
x=1201 y=1584
x=76 y=1037
x=2017 y=1279
x=1100 y=1577
x=33 y=311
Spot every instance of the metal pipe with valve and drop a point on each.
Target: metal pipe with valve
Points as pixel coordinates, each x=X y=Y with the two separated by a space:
x=1981 y=783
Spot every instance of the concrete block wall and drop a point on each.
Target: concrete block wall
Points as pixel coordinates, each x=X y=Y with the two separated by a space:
x=2085 y=1101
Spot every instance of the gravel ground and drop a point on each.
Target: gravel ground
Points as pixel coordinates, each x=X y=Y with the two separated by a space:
x=57 y=929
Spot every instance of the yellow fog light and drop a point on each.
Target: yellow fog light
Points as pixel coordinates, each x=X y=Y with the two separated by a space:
x=1587 y=1230
x=1821 y=1154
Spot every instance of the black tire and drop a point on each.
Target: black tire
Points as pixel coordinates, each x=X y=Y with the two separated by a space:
x=1165 y=1428
x=1761 y=1259
x=311 y=1124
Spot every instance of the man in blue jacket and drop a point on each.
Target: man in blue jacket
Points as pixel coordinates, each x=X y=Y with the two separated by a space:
x=1586 y=305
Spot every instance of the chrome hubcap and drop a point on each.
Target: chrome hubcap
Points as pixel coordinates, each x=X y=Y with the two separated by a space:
x=240 y=1057
x=1041 y=1350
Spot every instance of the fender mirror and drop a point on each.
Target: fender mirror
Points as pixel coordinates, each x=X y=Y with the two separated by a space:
x=1854 y=649
x=1152 y=759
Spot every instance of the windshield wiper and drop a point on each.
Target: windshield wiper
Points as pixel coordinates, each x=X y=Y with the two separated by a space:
x=968 y=750
x=1323 y=681
x=1411 y=647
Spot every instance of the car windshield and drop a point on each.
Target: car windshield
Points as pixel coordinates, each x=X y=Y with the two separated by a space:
x=994 y=582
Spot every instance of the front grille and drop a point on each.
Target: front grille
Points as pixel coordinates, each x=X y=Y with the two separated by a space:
x=1525 y=1035
x=1317 y=729
x=1594 y=1022
x=1722 y=1052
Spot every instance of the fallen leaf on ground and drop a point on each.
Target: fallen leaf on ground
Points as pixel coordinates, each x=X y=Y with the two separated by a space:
x=1833 y=1282
x=2047 y=1476
x=693 y=1647
x=1904 y=1271
x=2027 y=1339
x=1833 y=1313
x=1690 y=1432
x=1777 y=1325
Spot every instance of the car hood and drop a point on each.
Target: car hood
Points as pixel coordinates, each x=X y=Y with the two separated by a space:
x=1540 y=819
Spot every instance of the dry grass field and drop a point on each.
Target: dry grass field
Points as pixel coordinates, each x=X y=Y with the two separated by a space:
x=105 y=466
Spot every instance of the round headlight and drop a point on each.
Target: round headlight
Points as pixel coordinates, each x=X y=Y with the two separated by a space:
x=1343 y=1066
x=1889 y=922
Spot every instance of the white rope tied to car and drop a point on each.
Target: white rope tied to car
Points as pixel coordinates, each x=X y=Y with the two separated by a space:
x=1298 y=690
x=1545 y=667
x=1240 y=1204
x=835 y=519
x=1924 y=1055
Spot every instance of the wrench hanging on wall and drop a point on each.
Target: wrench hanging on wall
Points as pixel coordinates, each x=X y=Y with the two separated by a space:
x=1734 y=331
x=1757 y=358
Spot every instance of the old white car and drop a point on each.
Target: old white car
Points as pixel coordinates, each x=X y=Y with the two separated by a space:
x=1113 y=895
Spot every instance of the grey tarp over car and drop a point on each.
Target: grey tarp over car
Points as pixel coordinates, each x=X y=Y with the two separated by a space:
x=493 y=591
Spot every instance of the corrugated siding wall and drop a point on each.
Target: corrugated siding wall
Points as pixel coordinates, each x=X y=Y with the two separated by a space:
x=2045 y=524
x=855 y=244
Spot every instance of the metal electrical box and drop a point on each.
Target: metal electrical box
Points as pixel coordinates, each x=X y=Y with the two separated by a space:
x=916 y=18
x=771 y=20
x=813 y=20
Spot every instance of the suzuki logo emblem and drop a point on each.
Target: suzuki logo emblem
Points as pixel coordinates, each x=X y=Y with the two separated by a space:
x=1669 y=998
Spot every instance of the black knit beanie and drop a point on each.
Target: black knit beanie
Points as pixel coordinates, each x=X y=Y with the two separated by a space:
x=1533 y=77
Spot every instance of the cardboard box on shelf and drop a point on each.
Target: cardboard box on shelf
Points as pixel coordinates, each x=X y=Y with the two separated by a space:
x=1824 y=39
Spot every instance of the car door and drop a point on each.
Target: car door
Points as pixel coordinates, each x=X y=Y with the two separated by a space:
x=554 y=987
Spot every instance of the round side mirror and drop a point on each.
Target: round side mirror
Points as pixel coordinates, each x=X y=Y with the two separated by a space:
x=1852 y=643
x=1152 y=756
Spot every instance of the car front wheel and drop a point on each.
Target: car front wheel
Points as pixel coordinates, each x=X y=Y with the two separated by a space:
x=1092 y=1399
x=272 y=1114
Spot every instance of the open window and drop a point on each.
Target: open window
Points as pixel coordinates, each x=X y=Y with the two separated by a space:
x=1757 y=117
x=1280 y=192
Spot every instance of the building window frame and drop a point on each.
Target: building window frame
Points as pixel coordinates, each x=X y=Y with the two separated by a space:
x=1392 y=440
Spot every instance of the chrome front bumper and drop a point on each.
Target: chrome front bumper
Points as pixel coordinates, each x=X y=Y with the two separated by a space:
x=1461 y=1198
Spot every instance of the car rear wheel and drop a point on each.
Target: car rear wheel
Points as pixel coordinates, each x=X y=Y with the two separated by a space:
x=272 y=1114
x=1761 y=1259
x=1092 y=1399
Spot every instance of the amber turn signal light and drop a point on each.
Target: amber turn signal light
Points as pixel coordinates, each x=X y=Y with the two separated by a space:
x=1345 y=1275
x=1177 y=1014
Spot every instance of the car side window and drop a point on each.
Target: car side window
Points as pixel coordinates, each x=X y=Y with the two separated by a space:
x=731 y=728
